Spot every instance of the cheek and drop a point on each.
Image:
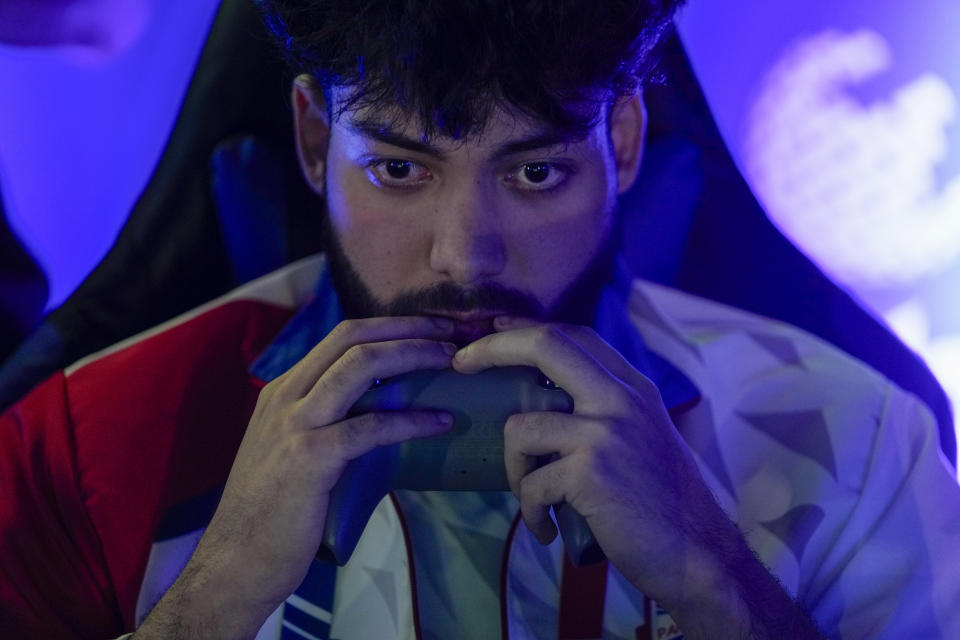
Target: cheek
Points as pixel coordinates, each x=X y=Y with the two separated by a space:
x=380 y=242
x=556 y=244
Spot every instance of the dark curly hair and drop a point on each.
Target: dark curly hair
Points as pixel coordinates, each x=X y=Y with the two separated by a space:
x=449 y=63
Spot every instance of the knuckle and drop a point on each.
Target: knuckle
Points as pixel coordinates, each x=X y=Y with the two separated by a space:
x=305 y=452
x=520 y=428
x=586 y=466
x=598 y=462
x=360 y=356
x=372 y=422
x=291 y=415
x=423 y=352
x=431 y=348
x=606 y=434
x=644 y=406
x=348 y=433
x=344 y=329
x=580 y=331
x=515 y=423
x=296 y=447
x=646 y=388
x=298 y=416
x=349 y=332
x=273 y=388
x=603 y=430
x=548 y=335
x=627 y=396
x=531 y=491
x=413 y=348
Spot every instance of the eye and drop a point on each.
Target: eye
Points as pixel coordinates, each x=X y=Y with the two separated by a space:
x=395 y=172
x=538 y=176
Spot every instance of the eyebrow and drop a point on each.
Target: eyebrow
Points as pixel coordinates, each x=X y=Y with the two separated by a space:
x=386 y=135
x=539 y=140
x=547 y=137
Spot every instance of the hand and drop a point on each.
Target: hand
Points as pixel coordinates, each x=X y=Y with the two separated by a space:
x=619 y=461
x=270 y=520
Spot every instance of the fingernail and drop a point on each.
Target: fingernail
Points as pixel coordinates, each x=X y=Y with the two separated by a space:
x=444 y=419
x=441 y=322
x=450 y=348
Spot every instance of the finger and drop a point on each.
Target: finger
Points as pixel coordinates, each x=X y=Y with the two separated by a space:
x=349 y=333
x=528 y=437
x=545 y=346
x=361 y=434
x=539 y=491
x=611 y=359
x=342 y=384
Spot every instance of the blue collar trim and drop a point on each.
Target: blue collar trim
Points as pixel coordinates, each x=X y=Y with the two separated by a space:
x=309 y=326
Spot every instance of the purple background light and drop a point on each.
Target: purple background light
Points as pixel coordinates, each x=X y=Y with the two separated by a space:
x=79 y=137
x=733 y=42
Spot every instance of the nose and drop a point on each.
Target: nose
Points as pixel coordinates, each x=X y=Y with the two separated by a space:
x=468 y=243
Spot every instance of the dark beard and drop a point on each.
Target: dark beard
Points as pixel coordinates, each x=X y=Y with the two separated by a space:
x=575 y=305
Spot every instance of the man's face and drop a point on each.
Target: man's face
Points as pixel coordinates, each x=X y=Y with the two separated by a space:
x=514 y=221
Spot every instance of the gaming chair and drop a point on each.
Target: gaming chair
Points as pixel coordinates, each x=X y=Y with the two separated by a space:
x=23 y=290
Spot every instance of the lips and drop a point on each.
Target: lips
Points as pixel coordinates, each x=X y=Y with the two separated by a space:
x=467 y=331
x=470 y=327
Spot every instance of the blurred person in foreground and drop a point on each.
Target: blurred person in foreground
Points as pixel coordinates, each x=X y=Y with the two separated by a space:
x=744 y=479
x=88 y=29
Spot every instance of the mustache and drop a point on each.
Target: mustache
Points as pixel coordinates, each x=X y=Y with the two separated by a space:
x=446 y=296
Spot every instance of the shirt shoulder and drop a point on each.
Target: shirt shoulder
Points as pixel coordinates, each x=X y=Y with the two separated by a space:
x=745 y=346
x=250 y=307
x=774 y=392
x=149 y=423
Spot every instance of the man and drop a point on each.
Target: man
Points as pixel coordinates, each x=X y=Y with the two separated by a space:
x=736 y=473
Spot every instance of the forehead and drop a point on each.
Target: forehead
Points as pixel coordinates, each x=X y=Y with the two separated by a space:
x=501 y=124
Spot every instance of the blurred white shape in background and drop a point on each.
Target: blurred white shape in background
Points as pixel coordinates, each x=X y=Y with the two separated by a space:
x=854 y=183
x=79 y=31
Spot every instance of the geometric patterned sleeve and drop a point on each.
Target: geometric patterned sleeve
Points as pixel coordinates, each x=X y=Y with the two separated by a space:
x=893 y=569
x=834 y=475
